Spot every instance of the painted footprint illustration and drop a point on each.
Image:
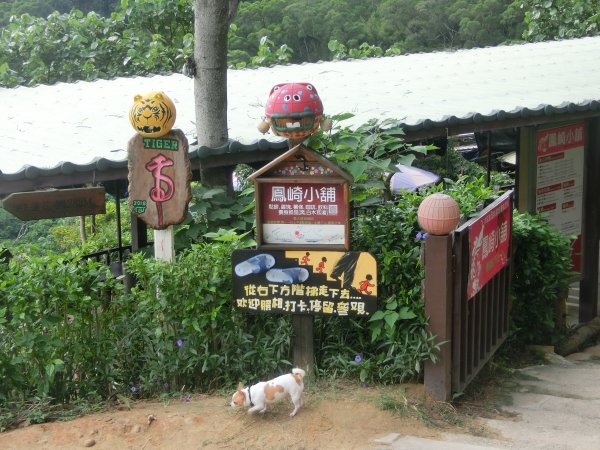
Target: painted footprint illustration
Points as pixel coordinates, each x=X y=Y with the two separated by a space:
x=287 y=276
x=256 y=264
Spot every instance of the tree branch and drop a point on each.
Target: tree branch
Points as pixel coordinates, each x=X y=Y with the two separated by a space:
x=233 y=7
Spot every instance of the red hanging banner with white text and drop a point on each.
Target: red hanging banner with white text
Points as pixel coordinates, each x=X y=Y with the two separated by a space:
x=489 y=238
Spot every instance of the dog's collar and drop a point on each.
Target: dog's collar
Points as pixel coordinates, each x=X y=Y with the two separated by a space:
x=250 y=396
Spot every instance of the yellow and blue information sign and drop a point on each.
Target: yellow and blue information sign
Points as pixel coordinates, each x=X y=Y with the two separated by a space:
x=315 y=282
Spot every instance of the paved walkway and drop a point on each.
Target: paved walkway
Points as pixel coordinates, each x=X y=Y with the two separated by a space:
x=555 y=406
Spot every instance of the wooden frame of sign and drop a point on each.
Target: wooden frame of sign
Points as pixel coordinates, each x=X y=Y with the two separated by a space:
x=302 y=201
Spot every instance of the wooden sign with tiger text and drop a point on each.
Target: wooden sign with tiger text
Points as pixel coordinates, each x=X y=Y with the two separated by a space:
x=159 y=178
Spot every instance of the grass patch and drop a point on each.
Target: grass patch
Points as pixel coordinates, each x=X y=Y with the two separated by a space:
x=16 y=415
x=396 y=404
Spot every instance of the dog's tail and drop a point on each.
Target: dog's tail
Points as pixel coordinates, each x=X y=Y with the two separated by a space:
x=298 y=373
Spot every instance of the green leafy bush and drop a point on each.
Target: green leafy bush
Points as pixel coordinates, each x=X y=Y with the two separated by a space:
x=69 y=330
x=213 y=209
x=451 y=165
x=184 y=330
x=392 y=345
x=55 y=333
x=368 y=153
x=541 y=274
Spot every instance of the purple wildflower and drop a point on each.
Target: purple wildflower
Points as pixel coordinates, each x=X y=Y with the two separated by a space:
x=179 y=343
x=358 y=358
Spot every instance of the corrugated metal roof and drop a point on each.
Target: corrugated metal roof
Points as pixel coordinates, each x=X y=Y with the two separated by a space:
x=86 y=124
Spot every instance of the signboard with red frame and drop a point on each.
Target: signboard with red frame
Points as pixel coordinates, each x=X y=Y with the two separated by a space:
x=560 y=153
x=301 y=212
x=302 y=201
x=489 y=243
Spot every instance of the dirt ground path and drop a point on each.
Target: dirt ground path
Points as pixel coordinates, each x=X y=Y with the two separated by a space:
x=339 y=417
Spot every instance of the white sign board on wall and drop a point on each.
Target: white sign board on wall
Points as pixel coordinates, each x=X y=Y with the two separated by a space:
x=560 y=156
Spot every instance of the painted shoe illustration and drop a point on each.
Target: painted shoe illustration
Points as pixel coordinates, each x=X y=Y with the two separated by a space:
x=287 y=276
x=256 y=264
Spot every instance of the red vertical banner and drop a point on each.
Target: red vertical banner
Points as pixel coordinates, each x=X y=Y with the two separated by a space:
x=489 y=243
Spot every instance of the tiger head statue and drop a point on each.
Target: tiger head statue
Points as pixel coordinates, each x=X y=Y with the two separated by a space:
x=152 y=114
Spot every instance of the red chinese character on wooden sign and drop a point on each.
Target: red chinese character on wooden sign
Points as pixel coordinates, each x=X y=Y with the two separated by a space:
x=159 y=179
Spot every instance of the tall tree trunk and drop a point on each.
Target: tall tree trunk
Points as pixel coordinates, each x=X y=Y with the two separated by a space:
x=210 y=81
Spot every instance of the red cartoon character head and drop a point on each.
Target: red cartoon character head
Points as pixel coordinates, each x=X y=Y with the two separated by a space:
x=294 y=110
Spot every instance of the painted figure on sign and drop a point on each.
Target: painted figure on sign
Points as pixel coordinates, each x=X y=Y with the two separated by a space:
x=321 y=266
x=157 y=193
x=364 y=285
x=305 y=259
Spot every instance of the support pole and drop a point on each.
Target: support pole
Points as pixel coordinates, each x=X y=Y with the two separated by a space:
x=303 y=342
x=119 y=230
x=589 y=285
x=82 y=231
x=164 y=244
x=139 y=234
x=438 y=307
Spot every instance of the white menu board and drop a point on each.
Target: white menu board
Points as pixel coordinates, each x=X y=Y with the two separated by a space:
x=559 y=185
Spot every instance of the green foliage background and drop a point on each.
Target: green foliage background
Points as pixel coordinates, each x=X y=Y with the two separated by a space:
x=69 y=329
x=69 y=40
x=561 y=19
x=38 y=237
x=542 y=275
x=43 y=8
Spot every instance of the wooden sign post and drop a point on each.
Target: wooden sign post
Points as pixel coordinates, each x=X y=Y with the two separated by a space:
x=159 y=169
x=56 y=203
x=159 y=185
x=164 y=244
x=303 y=265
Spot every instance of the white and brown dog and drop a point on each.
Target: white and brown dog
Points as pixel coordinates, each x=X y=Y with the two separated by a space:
x=260 y=394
